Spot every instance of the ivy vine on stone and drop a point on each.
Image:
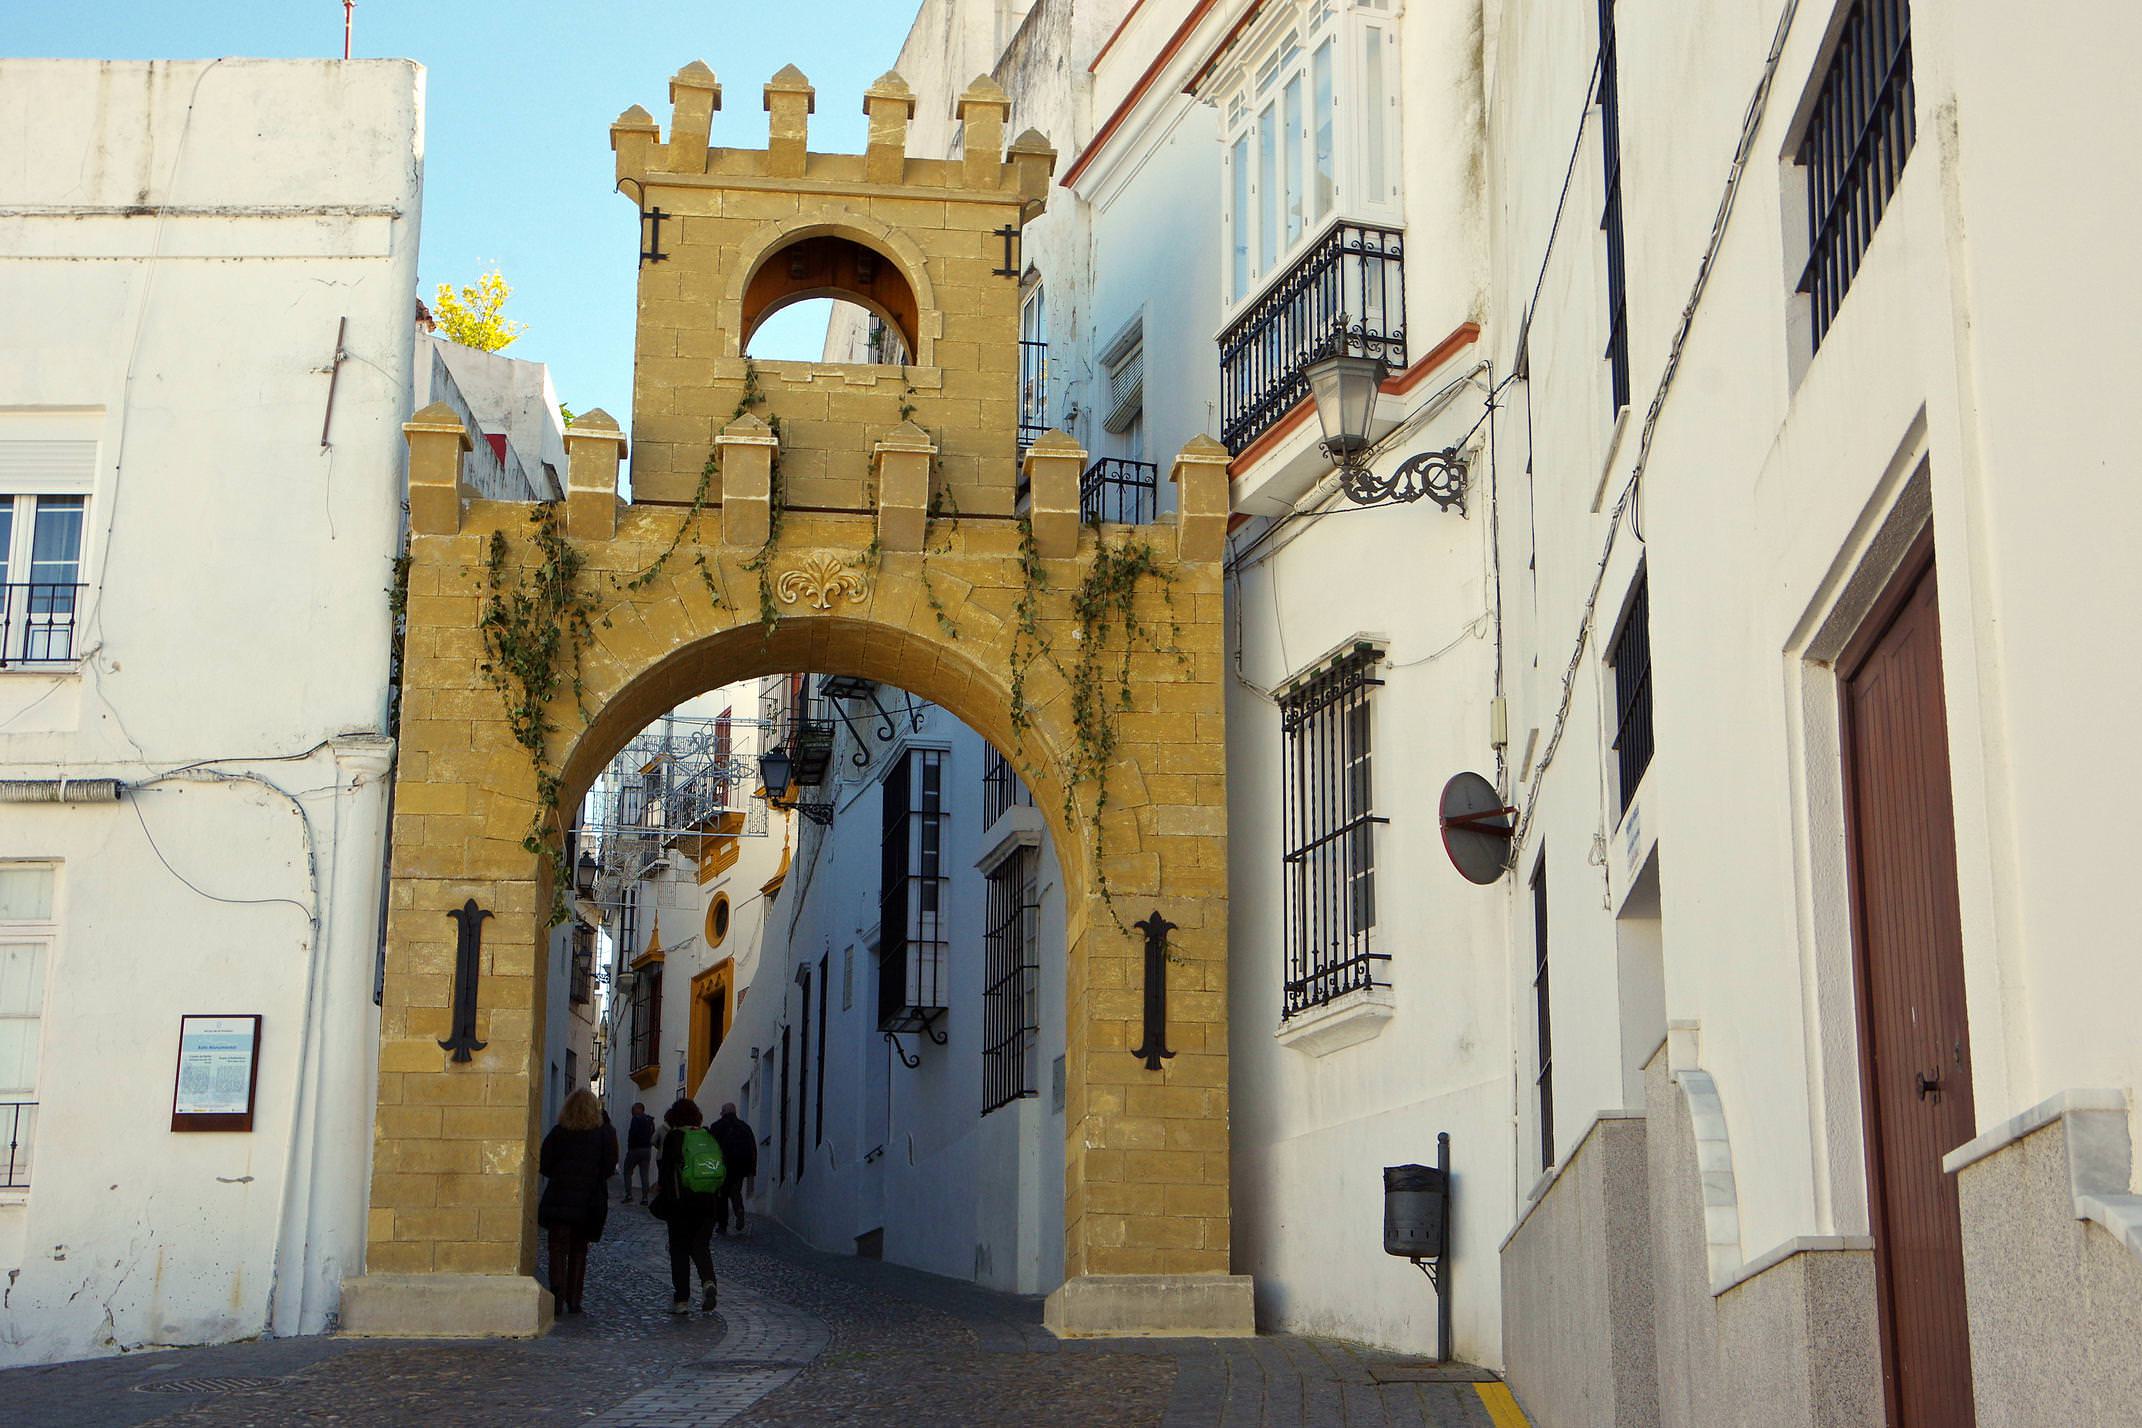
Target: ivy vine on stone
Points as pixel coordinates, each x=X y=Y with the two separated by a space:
x=535 y=624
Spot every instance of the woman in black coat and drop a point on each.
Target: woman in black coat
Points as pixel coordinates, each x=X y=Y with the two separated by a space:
x=576 y=1161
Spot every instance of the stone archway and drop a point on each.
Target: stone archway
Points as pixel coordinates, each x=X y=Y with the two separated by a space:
x=826 y=514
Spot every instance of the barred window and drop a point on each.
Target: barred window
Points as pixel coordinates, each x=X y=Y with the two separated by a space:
x=1010 y=1015
x=911 y=908
x=1002 y=789
x=1631 y=660
x=1330 y=831
x=646 y=1044
x=1543 y=1082
x=1617 y=280
x=1858 y=137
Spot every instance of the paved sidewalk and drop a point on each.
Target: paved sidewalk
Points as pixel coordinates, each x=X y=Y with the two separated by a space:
x=801 y=1338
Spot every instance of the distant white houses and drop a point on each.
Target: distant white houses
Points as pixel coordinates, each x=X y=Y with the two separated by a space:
x=900 y=1054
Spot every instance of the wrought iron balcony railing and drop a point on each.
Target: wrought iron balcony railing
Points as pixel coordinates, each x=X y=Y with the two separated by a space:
x=37 y=622
x=1033 y=392
x=1119 y=491
x=21 y=1118
x=1346 y=294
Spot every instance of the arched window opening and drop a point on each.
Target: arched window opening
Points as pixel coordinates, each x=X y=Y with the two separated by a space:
x=868 y=309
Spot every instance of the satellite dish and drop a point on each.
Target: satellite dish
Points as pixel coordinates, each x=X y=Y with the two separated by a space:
x=1476 y=828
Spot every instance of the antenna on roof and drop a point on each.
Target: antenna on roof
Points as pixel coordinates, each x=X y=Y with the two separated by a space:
x=348 y=9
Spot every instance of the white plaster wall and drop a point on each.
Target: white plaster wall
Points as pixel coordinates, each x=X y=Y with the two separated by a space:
x=179 y=280
x=1773 y=484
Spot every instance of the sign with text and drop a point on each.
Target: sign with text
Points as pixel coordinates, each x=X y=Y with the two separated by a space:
x=218 y=1069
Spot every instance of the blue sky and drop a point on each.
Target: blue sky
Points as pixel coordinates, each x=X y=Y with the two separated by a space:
x=520 y=95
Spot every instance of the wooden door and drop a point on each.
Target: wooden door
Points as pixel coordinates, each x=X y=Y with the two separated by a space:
x=1915 y=1050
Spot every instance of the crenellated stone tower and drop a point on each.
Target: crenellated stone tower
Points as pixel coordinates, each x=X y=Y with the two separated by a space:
x=929 y=246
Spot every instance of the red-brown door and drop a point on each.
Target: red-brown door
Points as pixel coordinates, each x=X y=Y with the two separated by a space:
x=1915 y=1051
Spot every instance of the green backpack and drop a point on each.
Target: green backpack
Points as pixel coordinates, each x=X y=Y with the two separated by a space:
x=703 y=1170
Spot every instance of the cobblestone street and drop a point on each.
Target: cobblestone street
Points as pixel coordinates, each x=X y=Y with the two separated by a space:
x=800 y=1338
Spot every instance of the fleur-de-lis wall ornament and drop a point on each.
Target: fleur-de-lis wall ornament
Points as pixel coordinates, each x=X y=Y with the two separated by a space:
x=822 y=580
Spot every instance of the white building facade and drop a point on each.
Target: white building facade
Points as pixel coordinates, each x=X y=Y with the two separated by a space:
x=198 y=518
x=1705 y=331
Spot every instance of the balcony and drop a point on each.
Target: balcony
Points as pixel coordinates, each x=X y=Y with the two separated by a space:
x=37 y=622
x=1347 y=293
x=1120 y=491
x=21 y=1117
x=1033 y=392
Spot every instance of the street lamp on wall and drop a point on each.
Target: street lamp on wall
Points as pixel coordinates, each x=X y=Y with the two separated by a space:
x=1344 y=388
x=776 y=768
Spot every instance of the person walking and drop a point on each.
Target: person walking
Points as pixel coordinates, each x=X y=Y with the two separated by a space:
x=688 y=1180
x=639 y=1149
x=740 y=1157
x=576 y=1163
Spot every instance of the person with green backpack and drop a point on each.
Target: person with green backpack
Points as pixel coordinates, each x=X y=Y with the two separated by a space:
x=690 y=1174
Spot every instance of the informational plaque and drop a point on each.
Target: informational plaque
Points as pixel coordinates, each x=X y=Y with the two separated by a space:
x=218 y=1068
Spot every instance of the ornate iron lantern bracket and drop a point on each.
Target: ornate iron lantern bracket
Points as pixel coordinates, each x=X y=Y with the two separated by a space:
x=1438 y=475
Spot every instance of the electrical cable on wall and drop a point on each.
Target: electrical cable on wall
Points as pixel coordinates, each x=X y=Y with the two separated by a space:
x=1758 y=104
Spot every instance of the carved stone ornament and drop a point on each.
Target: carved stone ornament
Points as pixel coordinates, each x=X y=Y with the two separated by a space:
x=822 y=580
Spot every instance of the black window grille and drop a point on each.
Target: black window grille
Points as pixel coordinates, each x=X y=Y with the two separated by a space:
x=1543 y=1083
x=583 y=978
x=1347 y=293
x=646 y=1043
x=1617 y=348
x=21 y=1128
x=1858 y=136
x=1011 y=953
x=1330 y=830
x=628 y=923
x=1033 y=392
x=1631 y=659
x=818 y=1108
x=1121 y=491
x=803 y=1079
x=781 y=1153
x=1002 y=788
x=37 y=621
x=911 y=906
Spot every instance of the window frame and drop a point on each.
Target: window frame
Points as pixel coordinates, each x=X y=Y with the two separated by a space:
x=1610 y=217
x=1365 y=149
x=1543 y=1012
x=1011 y=976
x=1629 y=664
x=42 y=934
x=1328 y=829
x=27 y=635
x=1843 y=211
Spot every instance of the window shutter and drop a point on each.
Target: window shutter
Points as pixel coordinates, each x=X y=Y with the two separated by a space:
x=1123 y=366
x=37 y=466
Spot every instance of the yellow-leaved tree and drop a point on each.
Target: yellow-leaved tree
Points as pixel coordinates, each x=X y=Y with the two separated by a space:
x=474 y=316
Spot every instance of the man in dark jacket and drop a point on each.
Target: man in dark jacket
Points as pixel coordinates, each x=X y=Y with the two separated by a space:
x=639 y=1149
x=740 y=1153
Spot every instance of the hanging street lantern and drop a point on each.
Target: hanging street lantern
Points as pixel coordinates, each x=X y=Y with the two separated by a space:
x=1344 y=388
